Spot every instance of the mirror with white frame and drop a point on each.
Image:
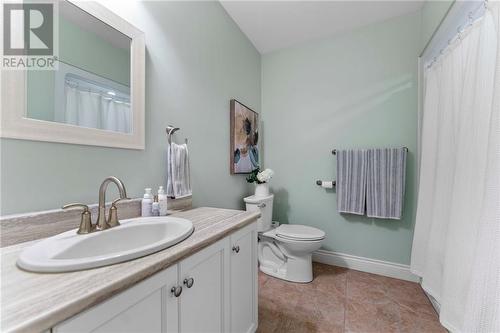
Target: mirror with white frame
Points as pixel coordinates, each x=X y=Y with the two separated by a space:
x=95 y=94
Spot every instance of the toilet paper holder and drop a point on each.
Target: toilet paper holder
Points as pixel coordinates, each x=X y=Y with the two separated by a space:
x=320 y=182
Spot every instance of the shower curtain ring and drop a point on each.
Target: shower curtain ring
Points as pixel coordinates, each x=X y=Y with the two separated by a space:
x=459 y=32
x=471 y=19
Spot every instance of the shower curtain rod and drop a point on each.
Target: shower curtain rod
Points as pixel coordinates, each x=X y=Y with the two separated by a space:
x=435 y=31
x=459 y=30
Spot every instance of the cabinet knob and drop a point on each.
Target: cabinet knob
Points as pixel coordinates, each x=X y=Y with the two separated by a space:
x=188 y=282
x=176 y=291
x=236 y=248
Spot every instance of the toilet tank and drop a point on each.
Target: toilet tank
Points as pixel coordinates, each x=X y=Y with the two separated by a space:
x=265 y=205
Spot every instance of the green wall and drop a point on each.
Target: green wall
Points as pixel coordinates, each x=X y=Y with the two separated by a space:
x=197 y=59
x=83 y=49
x=356 y=89
x=87 y=50
x=432 y=14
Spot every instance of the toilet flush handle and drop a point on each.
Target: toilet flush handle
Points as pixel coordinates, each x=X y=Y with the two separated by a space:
x=262 y=205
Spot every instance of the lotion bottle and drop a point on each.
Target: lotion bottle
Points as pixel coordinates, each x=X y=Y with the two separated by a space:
x=162 y=200
x=156 y=207
x=147 y=203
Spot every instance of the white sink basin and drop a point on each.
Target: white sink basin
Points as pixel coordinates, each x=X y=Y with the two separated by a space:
x=134 y=238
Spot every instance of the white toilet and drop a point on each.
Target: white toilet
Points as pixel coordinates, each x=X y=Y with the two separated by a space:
x=285 y=252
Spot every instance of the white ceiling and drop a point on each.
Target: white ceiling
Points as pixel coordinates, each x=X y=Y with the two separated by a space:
x=272 y=25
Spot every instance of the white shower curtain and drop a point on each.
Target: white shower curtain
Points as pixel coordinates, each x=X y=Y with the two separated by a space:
x=456 y=245
x=95 y=110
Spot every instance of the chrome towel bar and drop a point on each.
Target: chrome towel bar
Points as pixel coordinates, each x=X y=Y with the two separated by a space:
x=334 y=152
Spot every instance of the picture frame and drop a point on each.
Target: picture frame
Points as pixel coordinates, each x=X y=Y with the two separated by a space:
x=244 y=138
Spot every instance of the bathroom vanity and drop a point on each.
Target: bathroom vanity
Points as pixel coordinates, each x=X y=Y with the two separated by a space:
x=206 y=283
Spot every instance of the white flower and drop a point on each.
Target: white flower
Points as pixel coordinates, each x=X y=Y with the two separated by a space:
x=265 y=176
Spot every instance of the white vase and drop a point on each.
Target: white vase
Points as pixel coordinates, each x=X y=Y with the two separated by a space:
x=262 y=190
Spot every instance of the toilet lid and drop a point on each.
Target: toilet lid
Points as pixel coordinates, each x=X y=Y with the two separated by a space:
x=299 y=232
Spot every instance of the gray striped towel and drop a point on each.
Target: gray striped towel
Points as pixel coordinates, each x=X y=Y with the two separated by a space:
x=385 y=188
x=351 y=181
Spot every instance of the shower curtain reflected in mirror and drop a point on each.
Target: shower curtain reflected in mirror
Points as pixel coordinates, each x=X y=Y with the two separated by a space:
x=96 y=110
x=456 y=245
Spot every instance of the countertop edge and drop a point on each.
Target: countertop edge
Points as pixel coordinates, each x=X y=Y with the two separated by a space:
x=68 y=310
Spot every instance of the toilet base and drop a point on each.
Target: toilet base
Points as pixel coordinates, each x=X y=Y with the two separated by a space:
x=293 y=269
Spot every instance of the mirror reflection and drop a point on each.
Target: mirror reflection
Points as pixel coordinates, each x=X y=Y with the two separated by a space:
x=91 y=87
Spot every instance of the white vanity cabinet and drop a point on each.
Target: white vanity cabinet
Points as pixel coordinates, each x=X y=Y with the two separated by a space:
x=138 y=309
x=204 y=301
x=243 y=281
x=219 y=294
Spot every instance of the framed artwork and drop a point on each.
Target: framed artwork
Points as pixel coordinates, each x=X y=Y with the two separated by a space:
x=244 y=138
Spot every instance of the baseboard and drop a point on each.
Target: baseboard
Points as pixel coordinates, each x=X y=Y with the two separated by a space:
x=435 y=304
x=374 y=266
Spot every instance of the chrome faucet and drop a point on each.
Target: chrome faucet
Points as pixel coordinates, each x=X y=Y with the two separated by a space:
x=102 y=224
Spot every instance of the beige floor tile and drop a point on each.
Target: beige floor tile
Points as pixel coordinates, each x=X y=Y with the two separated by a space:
x=342 y=300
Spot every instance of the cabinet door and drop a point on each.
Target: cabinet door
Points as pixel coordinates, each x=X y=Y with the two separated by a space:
x=203 y=305
x=141 y=308
x=243 y=262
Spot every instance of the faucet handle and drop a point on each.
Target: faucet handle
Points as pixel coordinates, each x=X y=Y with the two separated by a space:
x=113 y=213
x=76 y=205
x=86 y=219
x=117 y=200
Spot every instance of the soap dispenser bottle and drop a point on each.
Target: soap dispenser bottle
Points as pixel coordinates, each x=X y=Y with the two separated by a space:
x=147 y=203
x=162 y=201
x=156 y=207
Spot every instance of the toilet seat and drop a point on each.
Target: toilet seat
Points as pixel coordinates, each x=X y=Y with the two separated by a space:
x=297 y=232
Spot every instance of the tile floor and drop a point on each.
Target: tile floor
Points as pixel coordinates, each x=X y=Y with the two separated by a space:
x=343 y=300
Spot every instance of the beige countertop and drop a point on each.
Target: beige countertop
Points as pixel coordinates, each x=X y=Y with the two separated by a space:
x=37 y=301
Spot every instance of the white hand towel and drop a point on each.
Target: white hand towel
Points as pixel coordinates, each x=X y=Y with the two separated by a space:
x=178 y=175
